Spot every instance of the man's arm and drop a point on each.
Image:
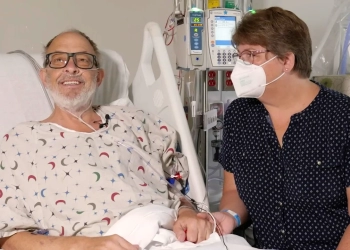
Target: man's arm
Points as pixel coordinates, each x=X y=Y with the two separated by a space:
x=25 y=240
x=28 y=241
x=345 y=240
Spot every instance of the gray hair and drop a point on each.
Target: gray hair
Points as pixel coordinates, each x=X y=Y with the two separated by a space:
x=92 y=43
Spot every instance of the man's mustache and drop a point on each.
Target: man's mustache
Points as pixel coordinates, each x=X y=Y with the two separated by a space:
x=70 y=78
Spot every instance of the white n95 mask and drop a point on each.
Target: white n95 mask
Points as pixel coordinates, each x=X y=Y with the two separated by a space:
x=250 y=80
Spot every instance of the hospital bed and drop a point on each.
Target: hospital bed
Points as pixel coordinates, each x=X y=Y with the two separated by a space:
x=22 y=96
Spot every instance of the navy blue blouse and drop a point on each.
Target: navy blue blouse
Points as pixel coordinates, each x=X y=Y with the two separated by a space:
x=295 y=195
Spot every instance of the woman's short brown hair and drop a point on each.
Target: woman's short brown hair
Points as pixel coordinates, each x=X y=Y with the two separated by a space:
x=279 y=31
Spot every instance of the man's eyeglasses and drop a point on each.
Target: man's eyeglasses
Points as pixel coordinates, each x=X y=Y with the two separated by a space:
x=82 y=60
x=247 y=56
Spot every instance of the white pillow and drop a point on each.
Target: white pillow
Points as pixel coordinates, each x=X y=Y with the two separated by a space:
x=115 y=84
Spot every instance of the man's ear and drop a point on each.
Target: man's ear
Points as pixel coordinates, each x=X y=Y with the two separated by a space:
x=100 y=76
x=43 y=75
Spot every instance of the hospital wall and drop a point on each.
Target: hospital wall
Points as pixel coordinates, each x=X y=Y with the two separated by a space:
x=112 y=24
x=116 y=24
x=315 y=13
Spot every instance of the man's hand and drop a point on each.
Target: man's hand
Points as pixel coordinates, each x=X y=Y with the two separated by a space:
x=113 y=242
x=225 y=223
x=191 y=227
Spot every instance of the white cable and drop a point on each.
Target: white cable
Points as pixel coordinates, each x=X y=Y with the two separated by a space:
x=89 y=106
x=203 y=206
x=214 y=220
x=81 y=120
x=79 y=117
x=170 y=186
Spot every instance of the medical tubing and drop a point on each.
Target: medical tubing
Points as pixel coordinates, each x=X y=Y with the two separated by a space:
x=171 y=186
x=214 y=220
x=177 y=8
x=81 y=119
x=344 y=58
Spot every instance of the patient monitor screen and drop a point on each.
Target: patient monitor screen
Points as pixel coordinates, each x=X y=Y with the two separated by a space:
x=224 y=28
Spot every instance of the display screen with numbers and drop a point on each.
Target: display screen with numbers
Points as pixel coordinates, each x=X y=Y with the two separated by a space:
x=196 y=20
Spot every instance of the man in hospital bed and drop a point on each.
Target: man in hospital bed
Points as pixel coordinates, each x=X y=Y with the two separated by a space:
x=83 y=168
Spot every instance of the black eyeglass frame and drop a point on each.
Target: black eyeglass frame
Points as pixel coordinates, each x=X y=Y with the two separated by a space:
x=48 y=62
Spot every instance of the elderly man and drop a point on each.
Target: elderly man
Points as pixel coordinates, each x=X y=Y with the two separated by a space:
x=81 y=169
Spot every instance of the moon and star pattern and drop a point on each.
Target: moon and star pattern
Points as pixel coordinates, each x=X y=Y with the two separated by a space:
x=76 y=183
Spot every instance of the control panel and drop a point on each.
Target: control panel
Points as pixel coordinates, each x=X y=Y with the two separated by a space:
x=196 y=23
x=196 y=32
x=221 y=24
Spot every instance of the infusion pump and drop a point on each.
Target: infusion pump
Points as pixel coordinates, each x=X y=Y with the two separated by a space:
x=203 y=39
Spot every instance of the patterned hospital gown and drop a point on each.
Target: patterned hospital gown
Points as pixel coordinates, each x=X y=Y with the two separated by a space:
x=75 y=183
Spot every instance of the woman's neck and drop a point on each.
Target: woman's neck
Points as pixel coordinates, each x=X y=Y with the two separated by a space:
x=290 y=94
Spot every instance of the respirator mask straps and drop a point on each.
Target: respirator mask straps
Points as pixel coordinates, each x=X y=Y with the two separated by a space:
x=275 y=78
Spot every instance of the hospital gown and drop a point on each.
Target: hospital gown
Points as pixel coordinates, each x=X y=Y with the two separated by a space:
x=74 y=183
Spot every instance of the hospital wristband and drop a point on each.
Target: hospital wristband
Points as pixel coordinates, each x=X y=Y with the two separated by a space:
x=180 y=207
x=234 y=215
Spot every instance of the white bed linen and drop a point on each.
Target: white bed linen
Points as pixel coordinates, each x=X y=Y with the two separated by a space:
x=150 y=227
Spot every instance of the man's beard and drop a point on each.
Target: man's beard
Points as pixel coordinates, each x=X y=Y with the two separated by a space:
x=77 y=104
